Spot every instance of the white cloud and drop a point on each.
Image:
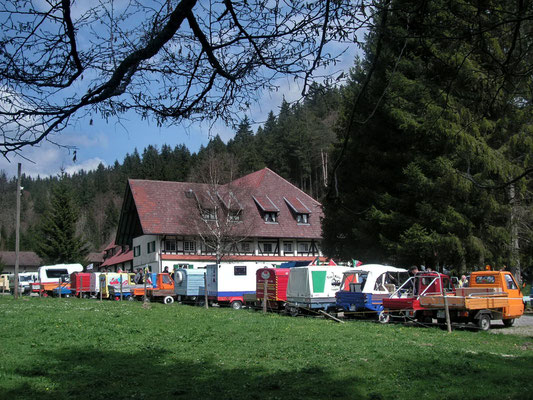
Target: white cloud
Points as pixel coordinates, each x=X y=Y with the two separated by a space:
x=87 y=165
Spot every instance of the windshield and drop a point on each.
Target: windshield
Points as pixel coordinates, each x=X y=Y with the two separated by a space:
x=354 y=281
x=25 y=278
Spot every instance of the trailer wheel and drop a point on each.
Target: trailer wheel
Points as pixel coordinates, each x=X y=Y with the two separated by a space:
x=508 y=322
x=484 y=322
x=131 y=298
x=236 y=304
x=383 y=317
x=168 y=300
x=294 y=311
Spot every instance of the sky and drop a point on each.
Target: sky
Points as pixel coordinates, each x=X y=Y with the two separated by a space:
x=107 y=141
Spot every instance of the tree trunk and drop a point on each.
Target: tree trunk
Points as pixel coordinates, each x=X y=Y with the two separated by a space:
x=514 y=220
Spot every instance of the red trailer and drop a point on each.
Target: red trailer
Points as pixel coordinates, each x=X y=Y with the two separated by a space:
x=277 y=280
x=80 y=283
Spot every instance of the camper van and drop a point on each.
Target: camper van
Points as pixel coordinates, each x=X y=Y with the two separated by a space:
x=229 y=282
x=25 y=281
x=49 y=277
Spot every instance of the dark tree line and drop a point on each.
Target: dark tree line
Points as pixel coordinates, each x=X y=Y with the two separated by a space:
x=293 y=144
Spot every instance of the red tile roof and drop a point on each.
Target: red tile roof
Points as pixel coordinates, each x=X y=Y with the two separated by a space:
x=119 y=258
x=164 y=208
x=297 y=206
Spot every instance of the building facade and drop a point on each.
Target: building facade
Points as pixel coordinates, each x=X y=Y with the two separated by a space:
x=260 y=218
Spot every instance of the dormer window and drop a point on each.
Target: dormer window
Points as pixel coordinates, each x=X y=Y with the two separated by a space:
x=270 y=217
x=269 y=211
x=209 y=214
x=234 y=216
x=302 y=218
x=298 y=209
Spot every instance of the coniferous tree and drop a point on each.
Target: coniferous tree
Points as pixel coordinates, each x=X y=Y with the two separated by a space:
x=59 y=242
x=425 y=156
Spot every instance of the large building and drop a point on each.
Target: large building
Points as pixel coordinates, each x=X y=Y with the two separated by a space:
x=260 y=218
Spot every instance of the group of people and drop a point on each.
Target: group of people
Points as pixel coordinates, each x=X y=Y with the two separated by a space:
x=463 y=282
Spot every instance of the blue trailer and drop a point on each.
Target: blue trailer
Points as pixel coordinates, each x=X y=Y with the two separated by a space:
x=364 y=288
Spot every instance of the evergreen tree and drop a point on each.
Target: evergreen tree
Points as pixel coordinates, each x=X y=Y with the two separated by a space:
x=432 y=128
x=59 y=242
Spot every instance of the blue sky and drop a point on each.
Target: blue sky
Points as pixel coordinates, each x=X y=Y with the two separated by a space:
x=107 y=141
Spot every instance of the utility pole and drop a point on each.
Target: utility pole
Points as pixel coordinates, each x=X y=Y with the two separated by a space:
x=17 y=235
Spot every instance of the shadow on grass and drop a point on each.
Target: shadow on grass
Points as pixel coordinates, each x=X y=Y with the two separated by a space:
x=82 y=373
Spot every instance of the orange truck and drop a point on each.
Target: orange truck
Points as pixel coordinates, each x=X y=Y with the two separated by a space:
x=158 y=287
x=490 y=295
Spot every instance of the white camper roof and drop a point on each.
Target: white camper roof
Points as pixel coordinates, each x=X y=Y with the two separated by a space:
x=374 y=271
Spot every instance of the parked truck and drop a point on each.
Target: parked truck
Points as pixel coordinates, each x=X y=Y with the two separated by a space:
x=404 y=303
x=490 y=295
x=159 y=287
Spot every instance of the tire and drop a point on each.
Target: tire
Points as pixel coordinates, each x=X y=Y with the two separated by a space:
x=294 y=311
x=131 y=298
x=484 y=322
x=236 y=304
x=508 y=322
x=384 y=317
x=168 y=300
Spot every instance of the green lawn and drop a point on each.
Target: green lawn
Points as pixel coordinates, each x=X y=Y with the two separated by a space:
x=86 y=349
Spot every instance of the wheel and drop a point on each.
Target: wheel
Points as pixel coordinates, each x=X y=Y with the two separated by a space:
x=484 y=322
x=117 y=298
x=384 y=317
x=45 y=294
x=508 y=322
x=168 y=300
x=236 y=304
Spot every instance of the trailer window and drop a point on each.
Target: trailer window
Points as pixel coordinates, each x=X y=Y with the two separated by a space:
x=484 y=279
x=56 y=273
x=511 y=284
x=166 y=279
x=239 y=270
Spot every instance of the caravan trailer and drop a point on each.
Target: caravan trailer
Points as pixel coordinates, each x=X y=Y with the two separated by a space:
x=229 y=282
x=49 y=277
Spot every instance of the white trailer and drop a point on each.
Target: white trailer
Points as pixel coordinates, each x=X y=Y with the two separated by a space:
x=228 y=283
x=25 y=281
x=313 y=287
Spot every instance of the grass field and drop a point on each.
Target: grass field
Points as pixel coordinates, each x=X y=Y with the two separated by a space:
x=86 y=349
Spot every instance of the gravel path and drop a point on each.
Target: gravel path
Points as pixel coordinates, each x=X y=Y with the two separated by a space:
x=523 y=326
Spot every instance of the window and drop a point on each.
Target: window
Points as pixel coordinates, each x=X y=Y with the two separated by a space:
x=150 y=247
x=189 y=246
x=136 y=251
x=287 y=247
x=239 y=270
x=303 y=247
x=209 y=214
x=484 y=279
x=245 y=247
x=271 y=217
x=56 y=273
x=511 y=284
x=182 y=266
x=302 y=218
x=267 y=247
x=170 y=245
x=166 y=279
x=234 y=216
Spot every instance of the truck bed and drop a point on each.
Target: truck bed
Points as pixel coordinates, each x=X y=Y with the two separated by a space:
x=472 y=298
